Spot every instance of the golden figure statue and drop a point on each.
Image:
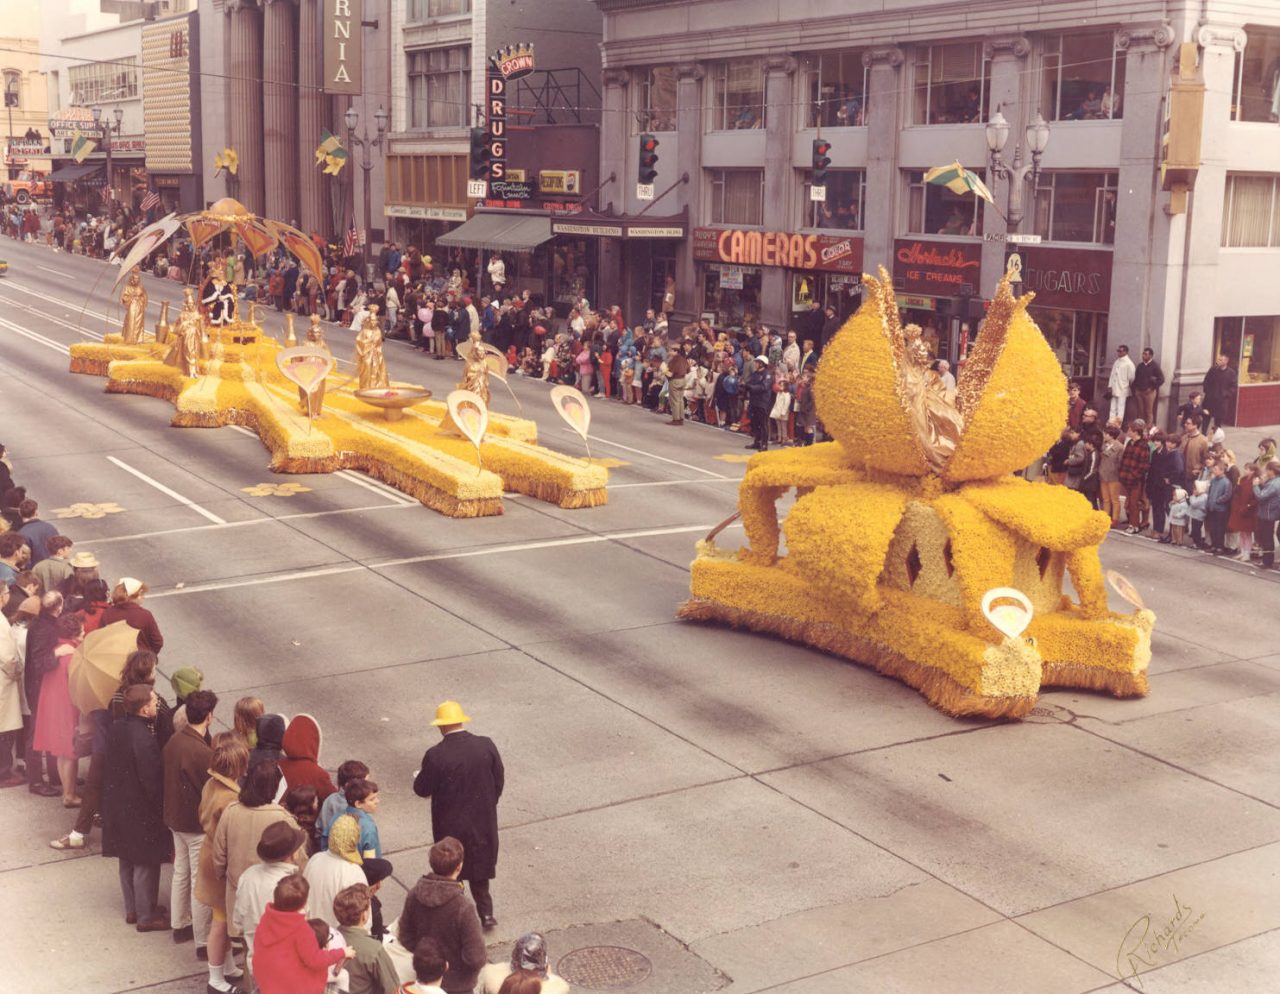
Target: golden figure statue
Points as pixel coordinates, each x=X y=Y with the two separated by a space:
x=134 y=302
x=937 y=421
x=162 y=326
x=475 y=373
x=290 y=338
x=371 y=367
x=312 y=403
x=187 y=348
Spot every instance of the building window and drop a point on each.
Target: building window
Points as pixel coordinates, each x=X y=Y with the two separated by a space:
x=1251 y=345
x=439 y=87
x=99 y=82
x=737 y=196
x=422 y=10
x=836 y=88
x=1083 y=77
x=1256 y=93
x=12 y=89
x=739 y=95
x=1076 y=338
x=656 y=99
x=1076 y=207
x=842 y=210
x=1251 y=212
x=951 y=84
x=935 y=210
x=731 y=295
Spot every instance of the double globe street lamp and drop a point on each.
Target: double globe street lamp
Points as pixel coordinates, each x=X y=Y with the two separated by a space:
x=1037 y=136
x=105 y=129
x=366 y=146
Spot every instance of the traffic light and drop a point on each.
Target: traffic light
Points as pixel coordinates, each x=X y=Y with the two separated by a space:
x=480 y=155
x=820 y=161
x=648 y=159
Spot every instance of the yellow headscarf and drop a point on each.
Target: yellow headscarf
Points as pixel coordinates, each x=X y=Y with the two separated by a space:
x=344 y=839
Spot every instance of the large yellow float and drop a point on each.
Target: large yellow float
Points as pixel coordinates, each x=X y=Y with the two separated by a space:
x=904 y=524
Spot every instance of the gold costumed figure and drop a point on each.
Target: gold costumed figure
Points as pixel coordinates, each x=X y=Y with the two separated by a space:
x=936 y=419
x=187 y=348
x=162 y=326
x=475 y=372
x=371 y=367
x=290 y=338
x=134 y=302
x=313 y=403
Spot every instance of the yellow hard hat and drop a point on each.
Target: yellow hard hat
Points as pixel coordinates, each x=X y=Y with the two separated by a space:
x=450 y=713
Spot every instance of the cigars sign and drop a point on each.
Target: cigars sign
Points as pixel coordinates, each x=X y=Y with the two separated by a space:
x=343 y=46
x=788 y=250
x=942 y=269
x=1077 y=279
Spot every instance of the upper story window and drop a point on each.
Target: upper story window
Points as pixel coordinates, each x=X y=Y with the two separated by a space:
x=421 y=10
x=738 y=101
x=656 y=98
x=97 y=82
x=842 y=210
x=1083 y=77
x=951 y=84
x=737 y=196
x=1256 y=93
x=836 y=86
x=1076 y=207
x=12 y=89
x=1251 y=212
x=936 y=210
x=439 y=87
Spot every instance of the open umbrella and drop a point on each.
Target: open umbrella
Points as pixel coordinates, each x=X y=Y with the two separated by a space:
x=957 y=179
x=98 y=663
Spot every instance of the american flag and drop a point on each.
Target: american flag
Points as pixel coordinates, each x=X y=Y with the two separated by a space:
x=150 y=200
x=108 y=194
x=350 y=242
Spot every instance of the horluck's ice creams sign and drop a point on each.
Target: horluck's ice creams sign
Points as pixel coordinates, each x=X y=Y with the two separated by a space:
x=343 y=46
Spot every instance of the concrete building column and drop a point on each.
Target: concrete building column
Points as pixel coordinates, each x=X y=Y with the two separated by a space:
x=1199 y=301
x=614 y=142
x=280 y=109
x=310 y=184
x=1139 y=272
x=779 y=182
x=1010 y=93
x=244 y=100
x=884 y=118
x=689 y=160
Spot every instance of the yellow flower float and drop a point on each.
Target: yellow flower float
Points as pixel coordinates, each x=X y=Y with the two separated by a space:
x=906 y=525
x=239 y=384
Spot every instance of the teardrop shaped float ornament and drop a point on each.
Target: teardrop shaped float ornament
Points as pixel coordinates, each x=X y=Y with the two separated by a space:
x=1121 y=585
x=305 y=366
x=471 y=417
x=1011 y=616
x=573 y=407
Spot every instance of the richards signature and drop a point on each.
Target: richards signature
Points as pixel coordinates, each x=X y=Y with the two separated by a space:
x=1150 y=939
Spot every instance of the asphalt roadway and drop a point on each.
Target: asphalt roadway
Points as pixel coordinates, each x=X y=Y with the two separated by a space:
x=697 y=809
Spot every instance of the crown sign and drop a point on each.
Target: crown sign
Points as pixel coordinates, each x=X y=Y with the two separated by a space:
x=515 y=61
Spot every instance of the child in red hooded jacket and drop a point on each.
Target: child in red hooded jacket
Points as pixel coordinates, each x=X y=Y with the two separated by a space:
x=301 y=761
x=287 y=959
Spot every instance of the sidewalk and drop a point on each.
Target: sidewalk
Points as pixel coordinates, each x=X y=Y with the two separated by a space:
x=1244 y=441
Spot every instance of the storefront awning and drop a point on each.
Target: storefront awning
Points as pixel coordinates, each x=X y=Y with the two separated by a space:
x=500 y=233
x=78 y=171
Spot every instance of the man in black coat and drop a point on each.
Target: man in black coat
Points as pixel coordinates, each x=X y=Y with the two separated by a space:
x=1220 y=391
x=1147 y=380
x=759 y=401
x=133 y=827
x=463 y=776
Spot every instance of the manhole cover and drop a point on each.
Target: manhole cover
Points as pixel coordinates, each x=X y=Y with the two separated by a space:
x=604 y=968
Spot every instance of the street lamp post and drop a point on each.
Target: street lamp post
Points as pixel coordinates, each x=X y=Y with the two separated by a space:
x=366 y=146
x=1037 y=141
x=105 y=129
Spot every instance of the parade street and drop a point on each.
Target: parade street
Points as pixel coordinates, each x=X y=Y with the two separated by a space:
x=741 y=813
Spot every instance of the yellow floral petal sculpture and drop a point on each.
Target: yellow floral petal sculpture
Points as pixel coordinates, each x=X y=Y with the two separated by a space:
x=244 y=387
x=900 y=528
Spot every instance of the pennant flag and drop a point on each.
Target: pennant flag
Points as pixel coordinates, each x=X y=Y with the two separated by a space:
x=82 y=147
x=227 y=159
x=957 y=179
x=330 y=153
x=150 y=200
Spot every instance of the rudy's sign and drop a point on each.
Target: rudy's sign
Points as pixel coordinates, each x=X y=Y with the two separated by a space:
x=343 y=46
x=818 y=253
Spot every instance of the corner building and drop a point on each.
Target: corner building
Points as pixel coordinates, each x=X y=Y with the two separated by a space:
x=737 y=92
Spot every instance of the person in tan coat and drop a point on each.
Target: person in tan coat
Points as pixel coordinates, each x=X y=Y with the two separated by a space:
x=230 y=759
x=235 y=842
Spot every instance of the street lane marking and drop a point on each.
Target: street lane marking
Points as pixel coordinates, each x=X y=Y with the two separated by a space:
x=671 y=483
x=242 y=430
x=48 y=343
x=82 y=308
x=373 y=485
x=50 y=318
x=265 y=520
x=492 y=550
x=650 y=455
x=166 y=490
